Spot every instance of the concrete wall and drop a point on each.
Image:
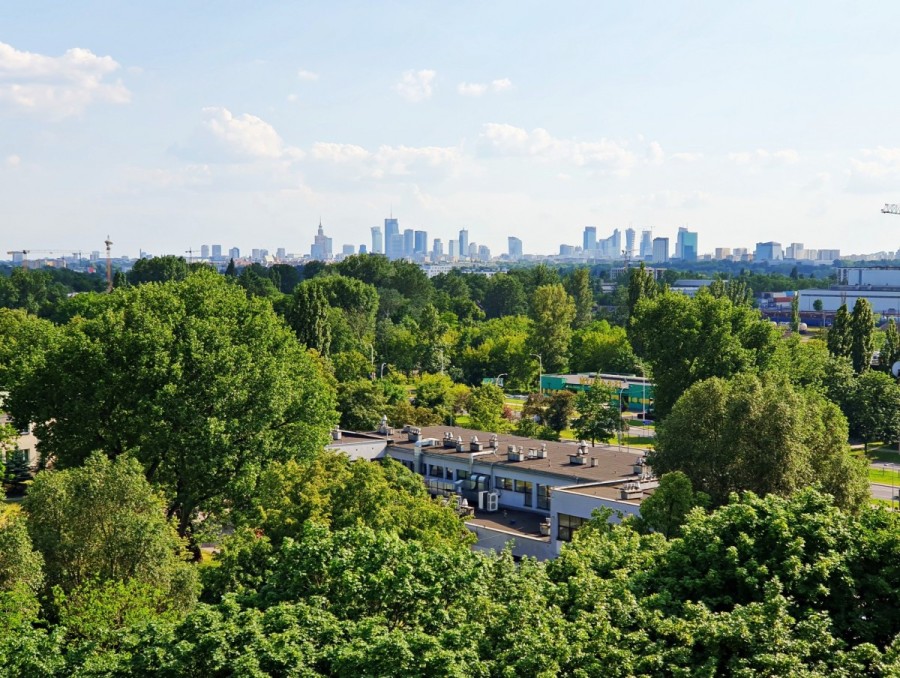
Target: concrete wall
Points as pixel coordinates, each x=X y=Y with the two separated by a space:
x=491 y=539
x=882 y=302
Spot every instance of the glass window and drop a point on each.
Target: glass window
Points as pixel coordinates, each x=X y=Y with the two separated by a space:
x=543 y=497
x=436 y=471
x=524 y=487
x=567 y=526
x=461 y=474
x=504 y=483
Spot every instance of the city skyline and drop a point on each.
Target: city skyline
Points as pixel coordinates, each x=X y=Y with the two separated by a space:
x=737 y=122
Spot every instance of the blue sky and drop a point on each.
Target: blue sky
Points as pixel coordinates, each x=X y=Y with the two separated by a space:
x=171 y=125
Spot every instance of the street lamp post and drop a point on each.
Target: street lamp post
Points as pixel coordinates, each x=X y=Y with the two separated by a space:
x=497 y=381
x=540 y=371
x=381 y=375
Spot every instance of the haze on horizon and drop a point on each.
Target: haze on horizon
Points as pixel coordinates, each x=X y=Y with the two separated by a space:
x=169 y=125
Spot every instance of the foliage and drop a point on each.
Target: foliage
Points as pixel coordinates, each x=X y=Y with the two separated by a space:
x=862 y=335
x=158 y=269
x=596 y=420
x=505 y=296
x=641 y=285
x=103 y=522
x=763 y=436
x=203 y=386
x=874 y=408
x=890 y=349
x=307 y=315
x=559 y=411
x=485 y=407
x=601 y=347
x=666 y=510
x=553 y=312
x=840 y=339
x=795 y=313
x=578 y=285
x=687 y=340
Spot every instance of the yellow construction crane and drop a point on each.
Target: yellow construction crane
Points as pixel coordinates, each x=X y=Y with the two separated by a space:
x=890 y=208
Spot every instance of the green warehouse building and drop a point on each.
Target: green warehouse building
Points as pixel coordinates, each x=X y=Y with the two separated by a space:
x=636 y=393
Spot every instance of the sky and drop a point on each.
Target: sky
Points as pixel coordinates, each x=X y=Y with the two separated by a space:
x=169 y=125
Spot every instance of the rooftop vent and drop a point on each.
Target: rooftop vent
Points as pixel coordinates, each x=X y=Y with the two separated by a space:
x=413 y=433
x=474 y=445
x=449 y=440
x=515 y=453
x=493 y=441
x=631 y=491
x=336 y=434
x=542 y=453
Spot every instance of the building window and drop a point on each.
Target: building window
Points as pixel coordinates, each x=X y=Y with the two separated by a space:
x=504 y=483
x=524 y=487
x=461 y=474
x=436 y=471
x=442 y=487
x=567 y=526
x=543 y=497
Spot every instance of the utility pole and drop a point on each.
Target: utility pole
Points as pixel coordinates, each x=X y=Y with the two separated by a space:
x=109 y=285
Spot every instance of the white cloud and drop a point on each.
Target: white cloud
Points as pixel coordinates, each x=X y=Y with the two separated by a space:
x=764 y=158
x=58 y=86
x=416 y=86
x=471 y=89
x=308 y=76
x=389 y=162
x=292 y=98
x=13 y=161
x=338 y=153
x=686 y=157
x=224 y=137
x=875 y=169
x=476 y=89
x=655 y=154
x=605 y=154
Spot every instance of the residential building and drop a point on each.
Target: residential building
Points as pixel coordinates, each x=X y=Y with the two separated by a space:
x=204 y=251
x=660 y=250
x=629 y=242
x=234 y=253
x=377 y=240
x=216 y=251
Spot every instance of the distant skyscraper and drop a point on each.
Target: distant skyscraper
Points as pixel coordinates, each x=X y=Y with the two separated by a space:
x=567 y=250
x=473 y=251
x=629 y=242
x=453 y=249
x=660 y=250
x=484 y=253
x=768 y=251
x=464 y=242
x=438 y=250
x=281 y=253
x=216 y=251
x=234 y=253
x=321 y=248
x=515 y=248
x=393 y=241
x=686 y=245
x=362 y=249
x=420 y=248
x=204 y=251
x=348 y=250
x=722 y=253
x=646 y=244
x=590 y=239
x=377 y=240
x=409 y=242
x=611 y=247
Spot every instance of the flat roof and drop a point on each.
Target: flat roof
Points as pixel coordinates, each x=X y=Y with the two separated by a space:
x=610 y=492
x=613 y=463
x=516 y=522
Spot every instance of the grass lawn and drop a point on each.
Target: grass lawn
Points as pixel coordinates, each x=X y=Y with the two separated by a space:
x=884 y=476
x=883 y=454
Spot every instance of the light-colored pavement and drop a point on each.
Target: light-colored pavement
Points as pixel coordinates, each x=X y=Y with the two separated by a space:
x=883 y=491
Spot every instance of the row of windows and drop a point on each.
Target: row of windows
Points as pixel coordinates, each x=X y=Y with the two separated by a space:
x=567 y=525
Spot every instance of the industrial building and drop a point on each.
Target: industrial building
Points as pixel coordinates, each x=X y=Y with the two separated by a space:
x=880 y=285
x=530 y=494
x=634 y=394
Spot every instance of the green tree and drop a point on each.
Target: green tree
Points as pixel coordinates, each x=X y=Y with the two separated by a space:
x=641 y=285
x=308 y=316
x=890 y=348
x=874 y=408
x=158 y=269
x=103 y=522
x=578 y=285
x=21 y=576
x=230 y=270
x=203 y=386
x=763 y=436
x=560 y=408
x=840 y=339
x=361 y=404
x=601 y=347
x=795 y=313
x=596 y=420
x=553 y=312
x=687 y=340
x=505 y=295
x=667 y=508
x=485 y=408
x=862 y=335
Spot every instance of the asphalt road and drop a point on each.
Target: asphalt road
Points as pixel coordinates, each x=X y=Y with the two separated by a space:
x=883 y=491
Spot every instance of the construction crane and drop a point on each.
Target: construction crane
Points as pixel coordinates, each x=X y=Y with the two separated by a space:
x=109 y=285
x=890 y=208
x=25 y=254
x=190 y=254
